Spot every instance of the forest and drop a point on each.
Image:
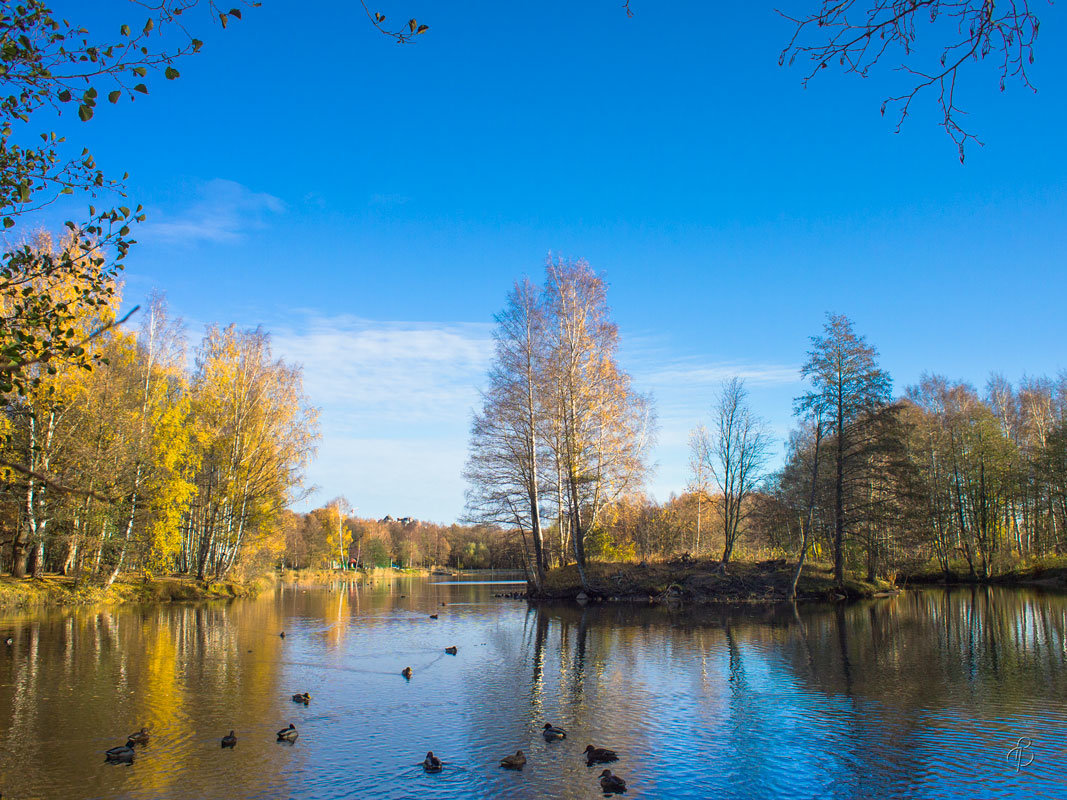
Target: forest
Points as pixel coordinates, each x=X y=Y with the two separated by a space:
x=129 y=457
x=942 y=476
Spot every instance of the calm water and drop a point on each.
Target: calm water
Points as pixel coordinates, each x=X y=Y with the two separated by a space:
x=922 y=695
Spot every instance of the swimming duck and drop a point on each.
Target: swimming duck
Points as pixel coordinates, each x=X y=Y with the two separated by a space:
x=611 y=784
x=304 y=698
x=517 y=761
x=452 y=650
x=599 y=755
x=282 y=634
x=122 y=754
x=141 y=737
x=406 y=672
x=229 y=740
x=552 y=733
x=288 y=734
x=433 y=616
x=432 y=763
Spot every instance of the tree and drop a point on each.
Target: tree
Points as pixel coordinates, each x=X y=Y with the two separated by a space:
x=48 y=63
x=602 y=428
x=507 y=435
x=735 y=454
x=856 y=35
x=559 y=418
x=847 y=386
x=698 y=471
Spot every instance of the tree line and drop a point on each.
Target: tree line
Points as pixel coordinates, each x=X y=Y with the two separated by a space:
x=128 y=458
x=327 y=538
x=944 y=474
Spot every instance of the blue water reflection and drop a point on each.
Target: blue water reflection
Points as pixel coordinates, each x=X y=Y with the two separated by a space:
x=923 y=695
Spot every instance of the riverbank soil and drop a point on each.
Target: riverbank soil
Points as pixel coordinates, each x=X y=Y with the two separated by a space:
x=705 y=581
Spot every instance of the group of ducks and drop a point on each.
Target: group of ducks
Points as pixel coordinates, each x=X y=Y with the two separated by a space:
x=609 y=783
x=124 y=753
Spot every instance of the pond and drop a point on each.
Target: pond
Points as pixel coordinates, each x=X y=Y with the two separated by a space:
x=935 y=693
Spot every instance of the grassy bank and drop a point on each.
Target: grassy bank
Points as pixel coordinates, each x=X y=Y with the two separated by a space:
x=1049 y=572
x=703 y=581
x=59 y=590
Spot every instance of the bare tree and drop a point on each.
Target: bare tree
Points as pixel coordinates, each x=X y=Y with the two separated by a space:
x=506 y=436
x=856 y=35
x=735 y=456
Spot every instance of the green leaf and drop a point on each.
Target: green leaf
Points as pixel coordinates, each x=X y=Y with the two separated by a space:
x=85 y=113
x=114 y=96
x=149 y=25
x=8 y=222
x=125 y=30
x=412 y=25
x=64 y=96
x=171 y=73
x=423 y=29
x=236 y=12
x=140 y=71
x=141 y=88
x=197 y=44
x=223 y=19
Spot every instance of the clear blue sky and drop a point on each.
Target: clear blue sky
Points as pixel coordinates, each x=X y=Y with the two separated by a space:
x=371 y=204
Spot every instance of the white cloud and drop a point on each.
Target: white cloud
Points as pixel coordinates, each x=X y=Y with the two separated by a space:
x=396 y=399
x=223 y=211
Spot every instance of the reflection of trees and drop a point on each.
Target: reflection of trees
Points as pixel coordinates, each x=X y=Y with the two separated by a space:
x=85 y=680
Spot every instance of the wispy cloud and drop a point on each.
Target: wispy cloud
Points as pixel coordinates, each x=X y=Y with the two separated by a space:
x=395 y=401
x=693 y=371
x=223 y=211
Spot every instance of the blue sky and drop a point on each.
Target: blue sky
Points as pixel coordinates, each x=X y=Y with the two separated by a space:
x=372 y=203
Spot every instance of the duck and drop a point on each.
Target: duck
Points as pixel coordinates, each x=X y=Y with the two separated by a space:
x=140 y=737
x=599 y=755
x=432 y=763
x=288 y=734
x=229 y=740
x=304 y=698
x=517 y=761
x=406 y=672
x=282 y=634
x=611 y=784
x=433 y=616
x=123 y=754
x=452 y=650
x=552 y=733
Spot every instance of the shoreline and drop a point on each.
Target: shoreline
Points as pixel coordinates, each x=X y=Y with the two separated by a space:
x=56 y=591
x=60 y=591
x=703 y=582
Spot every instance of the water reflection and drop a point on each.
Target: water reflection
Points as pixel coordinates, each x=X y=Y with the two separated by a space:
x=922 y=695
